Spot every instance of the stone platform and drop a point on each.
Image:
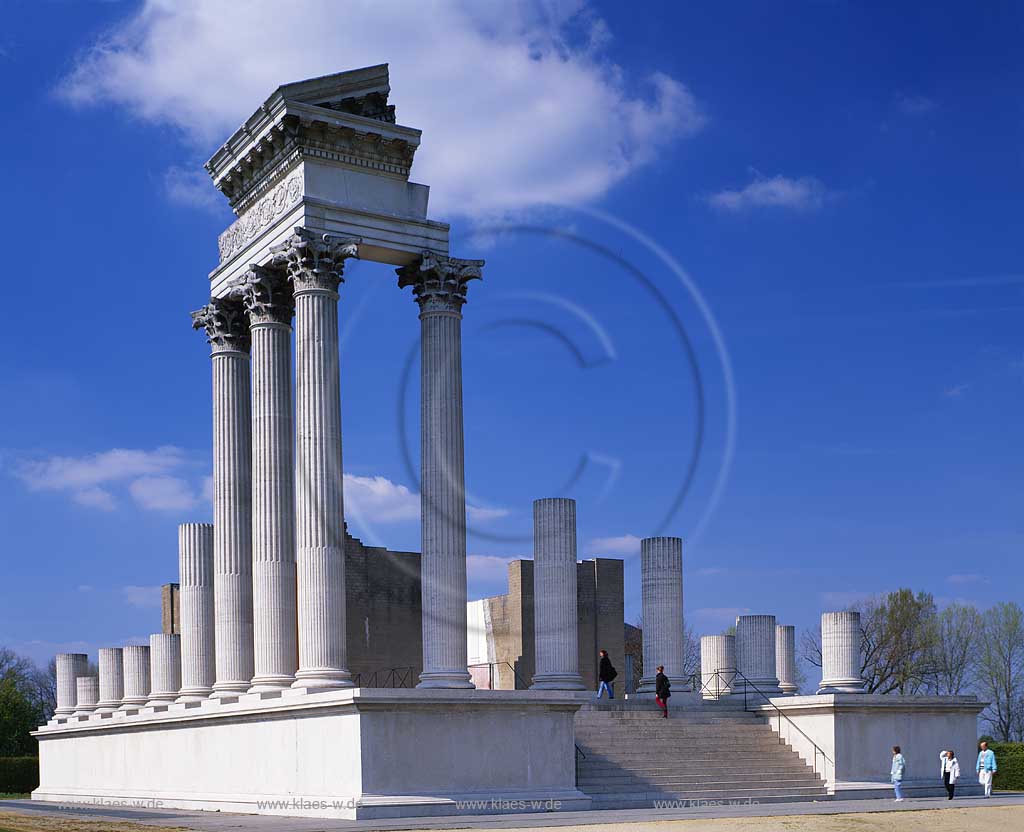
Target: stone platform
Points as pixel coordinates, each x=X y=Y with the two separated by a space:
x=351 y=753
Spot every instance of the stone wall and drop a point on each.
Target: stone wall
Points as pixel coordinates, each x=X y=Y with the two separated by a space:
x=509 y=642
x=170 y=609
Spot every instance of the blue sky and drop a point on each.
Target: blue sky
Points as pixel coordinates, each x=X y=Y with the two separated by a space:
x=840 y=186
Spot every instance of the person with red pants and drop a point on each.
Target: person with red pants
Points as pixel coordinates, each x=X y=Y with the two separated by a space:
x=662 y=690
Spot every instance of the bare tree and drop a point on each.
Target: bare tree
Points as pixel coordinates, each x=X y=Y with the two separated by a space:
x=691 y=649
x=1001 y=670
x=957 y=642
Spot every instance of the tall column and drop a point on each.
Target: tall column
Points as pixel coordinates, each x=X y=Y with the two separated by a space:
x=165 y=667
x=554 y=595
x=840 y=653
x=717 y=665
x=785 y=658
x=227 y=331
x=87 y=694
x=111 y=665
x=315 y=266
x=269 y=302
x=69 y=667
x=661 y=595
x=439 y=287
x=137 y=679
x=755 y=654
x=195 y=568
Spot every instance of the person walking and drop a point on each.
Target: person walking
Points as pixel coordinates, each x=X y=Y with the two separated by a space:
x=986 y=767
x=606 y=675
x=950 y=772
x=899 y=767
x=662 y=690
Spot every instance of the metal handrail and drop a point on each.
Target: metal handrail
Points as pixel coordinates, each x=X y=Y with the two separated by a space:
x=394 y=677
x=515 y=673
x=719 y=675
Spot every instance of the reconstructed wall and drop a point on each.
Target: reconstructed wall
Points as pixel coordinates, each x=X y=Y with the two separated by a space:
x=170 y=609
x=509 y=641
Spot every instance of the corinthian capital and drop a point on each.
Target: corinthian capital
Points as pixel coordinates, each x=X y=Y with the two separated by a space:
x=439 y=282
x=266 y=295
x=315 y=262
x=225 y=323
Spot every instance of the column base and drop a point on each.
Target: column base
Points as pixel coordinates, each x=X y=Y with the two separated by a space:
x=63 y=713
x=194 y=694
x=134 y=703
x=157 y=699
x=768 y=687
x=107 y=707
x=842 y=686
x=446 y=679
x=557 y=681
x=265 y=684
x=322 y=678
x=788 y=689
x=679 y=684
x=229 y=689
x=87 y=712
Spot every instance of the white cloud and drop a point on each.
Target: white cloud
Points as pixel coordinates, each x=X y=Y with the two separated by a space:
x=487 y=568
x=915 y=105
x=625 y=544
x=378 y=499
x=192 y=187
x=967 y=579
x=144 y=597
x=519 y=103
x=89 y=479
x=481 y=514
x=708 y=571
x=802 y=194
x=956 y=391
x=95 y=498
x=162 y=493
x=207 y=489
x=85 y=588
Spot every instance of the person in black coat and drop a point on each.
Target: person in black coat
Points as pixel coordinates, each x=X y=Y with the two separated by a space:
x=606 y=675
x=662 y=690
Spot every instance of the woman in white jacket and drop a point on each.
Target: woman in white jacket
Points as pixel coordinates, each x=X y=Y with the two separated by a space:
x=950 y=772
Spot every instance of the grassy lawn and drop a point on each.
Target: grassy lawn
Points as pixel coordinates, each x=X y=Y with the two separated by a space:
x=13 y=796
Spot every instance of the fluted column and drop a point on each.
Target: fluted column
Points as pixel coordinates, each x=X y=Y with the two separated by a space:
x=315 y=266
x=755 y=654
x=227 y=331
x=269 y=302
x=195 y=569
x=137 y=679
x=661 y=591
x=87 y=695
x=785 y=658
x=69 y=667
x=840 y=653
x=111 y=664
x=439 y=287
x=554 y=595
x=717 y=665
x=165 y=667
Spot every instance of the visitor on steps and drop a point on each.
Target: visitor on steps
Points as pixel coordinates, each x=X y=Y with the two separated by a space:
x=606 y=675
x=899 y=767
x=986 y=767
x=662 y=690
x=950 y=773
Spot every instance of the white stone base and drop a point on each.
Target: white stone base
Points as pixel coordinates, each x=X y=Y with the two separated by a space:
x=353 y=753
x=857 y=732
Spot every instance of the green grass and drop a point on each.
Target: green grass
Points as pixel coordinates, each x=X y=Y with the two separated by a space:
x=12 y=796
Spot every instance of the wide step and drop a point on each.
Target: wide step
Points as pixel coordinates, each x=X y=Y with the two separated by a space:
x=632 y=758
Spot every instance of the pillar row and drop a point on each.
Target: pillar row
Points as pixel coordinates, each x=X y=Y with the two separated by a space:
x=755 y=654
x=69 y=667
x=165 y=668
x=136 y=676
x=111 y=665
x=717 y=665
x=785 y=657
x=841 y=653
x=87 y=695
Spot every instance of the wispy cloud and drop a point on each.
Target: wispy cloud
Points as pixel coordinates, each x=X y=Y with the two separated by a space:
x=487 y=568
x=805 y=193
x=711 y=570
x=717 y=616
x=543 y=64
x=915 y=105
x=967 y=579
x=956 y=391
x=623 y=544
x=841 y=599
x=379 y=500
x=192 y=187
x=143 y=597
x=163 y=493
x=88 y=479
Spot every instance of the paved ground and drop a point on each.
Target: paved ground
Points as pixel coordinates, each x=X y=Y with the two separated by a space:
x=934 y=814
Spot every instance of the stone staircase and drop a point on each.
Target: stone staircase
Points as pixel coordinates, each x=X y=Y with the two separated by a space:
x=705 y=751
